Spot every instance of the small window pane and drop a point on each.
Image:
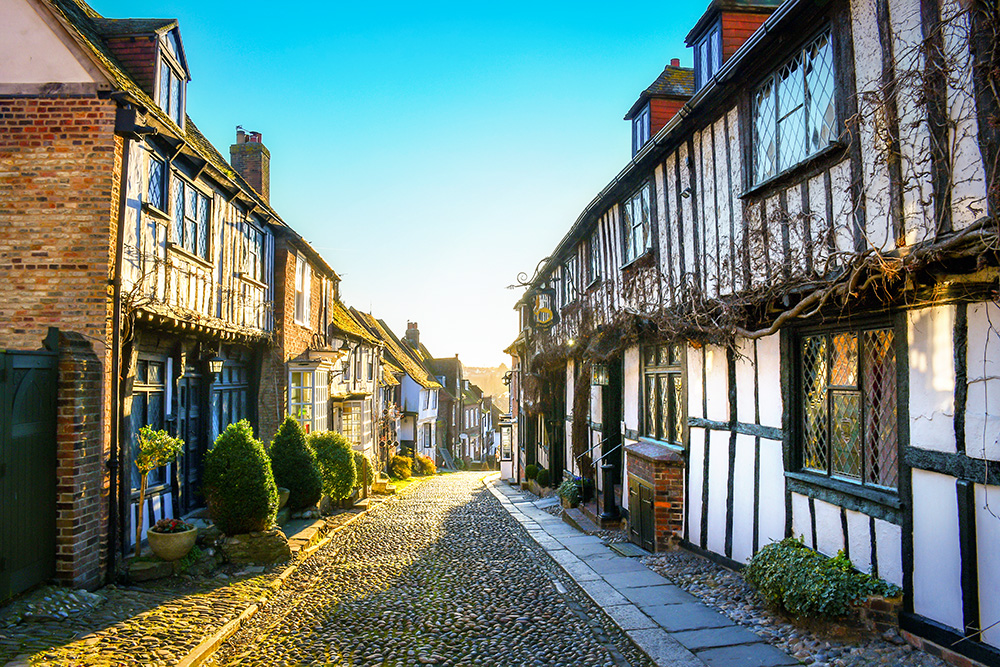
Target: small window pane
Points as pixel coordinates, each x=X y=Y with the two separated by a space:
x=881 y=425
x=175 y=98
x=164 y=86
x=819 y=91
x=154 y=186
x=791 y=116
x=845 y=433
x=844 y=366
x=814 y=375
x=765 y=140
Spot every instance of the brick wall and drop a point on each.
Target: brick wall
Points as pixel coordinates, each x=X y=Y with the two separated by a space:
x=138 y=55
x=737 y=28
x=660 y=113
x=663 y=469
x=60 y=166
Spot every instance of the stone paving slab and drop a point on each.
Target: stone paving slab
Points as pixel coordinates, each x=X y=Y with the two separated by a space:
x=669 y=624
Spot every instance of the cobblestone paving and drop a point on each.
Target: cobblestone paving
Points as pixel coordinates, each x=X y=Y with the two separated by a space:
x=152 y=624
x=442 y=575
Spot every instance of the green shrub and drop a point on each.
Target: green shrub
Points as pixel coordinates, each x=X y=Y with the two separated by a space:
x=294 y=464
x=530 y=471
x=793 y=577
x=336 y=463
x=425 y=465
x=366 y=471
x=569 y=491
x=544 y=477
x=239 y=486
x=401 y=467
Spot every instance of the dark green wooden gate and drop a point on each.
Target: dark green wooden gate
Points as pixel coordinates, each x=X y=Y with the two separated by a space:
x=641 y=521
x=27 y=470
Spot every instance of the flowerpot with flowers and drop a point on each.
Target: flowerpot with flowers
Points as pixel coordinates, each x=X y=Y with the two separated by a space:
x=156 y=449
x=172 y=539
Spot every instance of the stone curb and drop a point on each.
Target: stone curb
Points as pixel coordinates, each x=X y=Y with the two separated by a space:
x=208 y=647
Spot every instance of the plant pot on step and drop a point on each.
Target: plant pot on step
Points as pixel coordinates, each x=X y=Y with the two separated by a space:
x=283 y=494
x=172 y=546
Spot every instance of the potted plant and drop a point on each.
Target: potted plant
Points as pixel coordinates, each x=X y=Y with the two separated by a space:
x=156 y=449
x=172 y=539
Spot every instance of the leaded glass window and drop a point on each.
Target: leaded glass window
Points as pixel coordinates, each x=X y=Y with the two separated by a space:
x=848 y=405
x=191 y=215
x=663 y=393
x=155 y=194
x=569 y=280
x=594 y=250
x=170 y=93
x=148 y=392
x=794 y=115
x=636 y=214
x=708 y=56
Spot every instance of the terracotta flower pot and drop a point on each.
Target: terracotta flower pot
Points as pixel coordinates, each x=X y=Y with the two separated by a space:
x=172 y=546
x=283 y=494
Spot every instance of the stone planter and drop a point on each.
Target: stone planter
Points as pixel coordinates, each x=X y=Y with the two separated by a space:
x=172 y=546
x=538 y=489
x=567 y=504
x=283 y=494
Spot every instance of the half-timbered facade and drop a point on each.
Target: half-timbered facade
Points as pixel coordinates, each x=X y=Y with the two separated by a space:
x=788 y=295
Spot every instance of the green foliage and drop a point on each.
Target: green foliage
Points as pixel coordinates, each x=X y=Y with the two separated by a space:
x=424 y=465
x=793 y=577
x=531 y=471
x=576 y=490
x=156 y=448
x=336 y=463
x=239 y=485
x=366 y=471
x=401 y=467
x=294 y=464
x=544 y=477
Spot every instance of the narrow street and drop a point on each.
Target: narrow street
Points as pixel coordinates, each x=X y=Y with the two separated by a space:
x=441 y=575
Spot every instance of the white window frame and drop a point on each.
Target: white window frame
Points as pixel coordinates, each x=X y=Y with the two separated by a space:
x=169 y=73
x=303 y=281
x=352 y=421
x=308 y=396
x=708 y=55
x=637 y=213
x=640 y=129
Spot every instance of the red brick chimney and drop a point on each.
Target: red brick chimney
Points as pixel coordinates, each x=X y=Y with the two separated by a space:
x=675 y=62
x=251 y=159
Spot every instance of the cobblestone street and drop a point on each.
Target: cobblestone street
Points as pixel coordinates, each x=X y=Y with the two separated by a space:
x=442 y=575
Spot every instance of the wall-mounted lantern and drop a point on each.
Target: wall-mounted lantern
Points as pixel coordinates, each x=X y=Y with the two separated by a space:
x=599 y=375
x=215 y=365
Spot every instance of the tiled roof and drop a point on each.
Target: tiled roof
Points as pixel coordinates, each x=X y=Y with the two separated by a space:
x=409 y=364
x=342 y=320
x=388 y=371
x=118 y=27
x=672 y=82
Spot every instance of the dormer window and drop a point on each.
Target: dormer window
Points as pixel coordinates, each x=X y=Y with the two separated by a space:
x=640 y=130
x=708 y=56
x=170 y=92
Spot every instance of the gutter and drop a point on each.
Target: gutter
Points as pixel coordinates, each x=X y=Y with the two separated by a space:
x=719 y=82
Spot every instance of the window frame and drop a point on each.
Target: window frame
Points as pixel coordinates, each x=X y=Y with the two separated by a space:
x=641 y=129
x=302 y=283
x=710 y=41
x=668 y=362
x=857 y=486
x=318 y=418
x=629 y=226
x=253 y=263
x=569 y=289
x=755 y=180
x=352 y=420
x=163 y=204
x=173 y=70
x=594 y=258
x=181 y=220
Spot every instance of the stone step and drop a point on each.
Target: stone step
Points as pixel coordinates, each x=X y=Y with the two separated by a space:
x=574 y=517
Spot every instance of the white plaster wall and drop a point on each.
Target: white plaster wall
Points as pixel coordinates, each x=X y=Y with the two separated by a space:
x=723 y=203
x=746 y=382
x=801 y=519
x=968 y=193
x=755 y=249
x=982 y=408
x=596 y=404
x=735 y=186
x=772 y=493
x=743 y=498
x=30 y=52
x=718 y=483
x=889 y=545
x=686 y=210
x=706 y=172
x=829 y=530
x=630 y=388
x=570 y=386
x=776 y=246
x=868 y=74
x=843 y=209
x=936 y=558
x=797 y=246
x=717 y=383
x=818 y=222
x=671 y=230
x=695 y=390
x=769 y=378
x=696 y=461
x=859 y=539
x=988 y=549
x=930 y=334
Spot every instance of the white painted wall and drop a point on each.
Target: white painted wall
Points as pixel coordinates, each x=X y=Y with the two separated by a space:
x=889 y=544
x=982 y=408
x=743 y=498
x=772 y=492
x=769 y=379
x=930 y=334
x=696 y=459
x=718 y=479
x=630 y=389
x=717 y=383
x=746 y=382
x=936 y=558
x=801 y=519
x=32 y=52
x=829 y=530
x=988 y=548
x=695 y=389
x=859 y=540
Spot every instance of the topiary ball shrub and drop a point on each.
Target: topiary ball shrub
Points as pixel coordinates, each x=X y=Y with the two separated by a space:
x=238 y=485
x=294 y=464
x=543 y=478
x=336 y=463
x=425 y=465
x=530 y=471
x=401 y=467
x=792 y=577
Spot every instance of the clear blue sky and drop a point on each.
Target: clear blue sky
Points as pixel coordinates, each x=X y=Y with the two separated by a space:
x=430 y=151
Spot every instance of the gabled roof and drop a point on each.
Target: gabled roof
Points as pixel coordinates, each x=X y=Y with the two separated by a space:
x=389 y=372
x=718 y=6
x=342 y=320
x=673 y=82
x=122 y=27
x=393 y=349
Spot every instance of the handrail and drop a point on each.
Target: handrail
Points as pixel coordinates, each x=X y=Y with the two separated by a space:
x=616 y=447
x=591 y=448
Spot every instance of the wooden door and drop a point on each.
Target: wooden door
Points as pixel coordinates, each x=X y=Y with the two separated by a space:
x=191 y=430
x=640 y=514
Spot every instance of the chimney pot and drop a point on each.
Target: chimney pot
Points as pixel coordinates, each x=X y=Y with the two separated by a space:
x=251 y=159
x=675 y=62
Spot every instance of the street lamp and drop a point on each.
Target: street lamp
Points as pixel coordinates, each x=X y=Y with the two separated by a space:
x=599 y=375
x=215 y=365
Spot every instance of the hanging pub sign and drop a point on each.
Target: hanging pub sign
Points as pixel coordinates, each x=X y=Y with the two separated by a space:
x=543 y=310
